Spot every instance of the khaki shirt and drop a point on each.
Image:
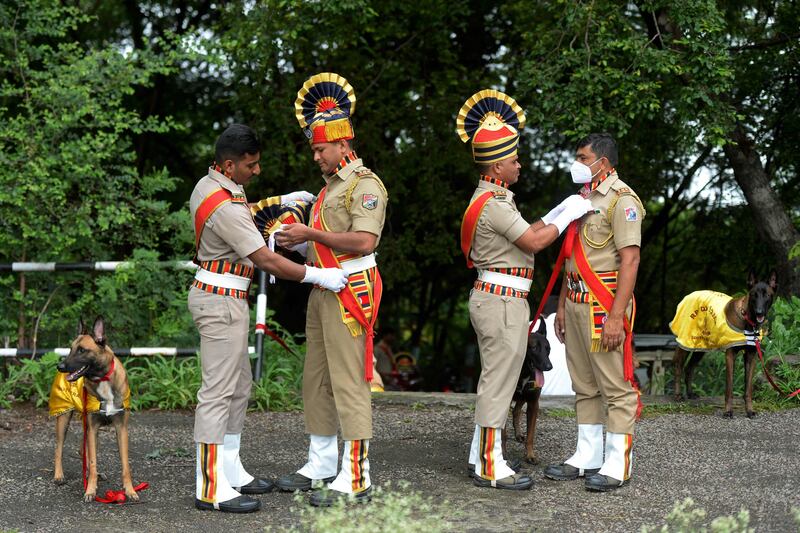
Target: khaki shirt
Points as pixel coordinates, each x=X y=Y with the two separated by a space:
x=355 y=200
x=230 y=233
x=607 y=235
x=499 y=225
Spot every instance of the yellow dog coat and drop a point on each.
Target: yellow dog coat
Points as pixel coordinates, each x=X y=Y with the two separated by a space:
x=700 y=324
x=65 y=396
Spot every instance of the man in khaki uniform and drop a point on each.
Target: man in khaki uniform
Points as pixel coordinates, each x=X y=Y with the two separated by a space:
x=344 y=230
x=610 y=237
x=228 y=244
x=501 y=244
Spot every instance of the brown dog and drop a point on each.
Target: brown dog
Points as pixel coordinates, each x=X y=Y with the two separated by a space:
x=107 y=401
x=744 y=317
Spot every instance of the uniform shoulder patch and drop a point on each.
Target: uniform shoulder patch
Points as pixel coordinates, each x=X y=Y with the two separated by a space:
x=631 y=214
x=369 y=201
x=500 y=195
x=624 y=190
x=238 y=198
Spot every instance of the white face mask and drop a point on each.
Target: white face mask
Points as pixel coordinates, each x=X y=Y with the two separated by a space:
x=582 y=173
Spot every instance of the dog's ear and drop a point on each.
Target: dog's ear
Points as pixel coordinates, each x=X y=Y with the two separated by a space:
x=751 y=279
x=773 y=281
x=542 y=327
x=99 y=331
x=81 y=328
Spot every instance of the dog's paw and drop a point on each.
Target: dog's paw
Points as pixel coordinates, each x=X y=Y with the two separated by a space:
x=59 y=480
x=519 y=438
x=88 y=496
x=532 y=459
x=751 y=414
x=132 y=495
x=727 y=414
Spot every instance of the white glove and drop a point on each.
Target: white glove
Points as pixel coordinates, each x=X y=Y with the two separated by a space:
x=301 y=248
x=298 y=196
x=574 y=209
x=551 y=216
x=333 y=279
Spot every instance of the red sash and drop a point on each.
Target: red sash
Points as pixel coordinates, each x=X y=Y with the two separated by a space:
x=206 y=208
x=470 y=223
x=606 y=299
x=327 y=259
x=599 y=291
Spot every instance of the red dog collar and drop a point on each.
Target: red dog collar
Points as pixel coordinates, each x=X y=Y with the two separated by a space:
x=108 y=374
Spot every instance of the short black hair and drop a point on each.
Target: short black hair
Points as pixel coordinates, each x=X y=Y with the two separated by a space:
x=484 y=168
x=236 y=141
x=603 y=145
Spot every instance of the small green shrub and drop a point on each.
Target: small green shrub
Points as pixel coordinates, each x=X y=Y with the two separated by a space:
x=163 y=382
x=686 y=517
x=28 y=380
x=392 y=509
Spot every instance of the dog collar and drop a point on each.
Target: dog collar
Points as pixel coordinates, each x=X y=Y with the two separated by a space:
x=108 y=374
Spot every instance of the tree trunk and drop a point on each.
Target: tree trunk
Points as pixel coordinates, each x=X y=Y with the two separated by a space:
x=772 y=220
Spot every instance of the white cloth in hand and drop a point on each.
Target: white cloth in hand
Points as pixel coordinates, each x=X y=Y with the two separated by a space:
x=301 y=248
x=553 y=213
x=298 y=196
x=333 y=279
x=575 y=208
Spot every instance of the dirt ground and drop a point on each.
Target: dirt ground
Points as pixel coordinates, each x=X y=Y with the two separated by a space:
x=724 y=465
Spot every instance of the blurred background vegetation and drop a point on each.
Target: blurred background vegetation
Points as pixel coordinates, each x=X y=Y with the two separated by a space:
x=109 y=112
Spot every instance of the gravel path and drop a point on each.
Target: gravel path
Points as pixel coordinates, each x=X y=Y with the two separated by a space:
x=724 y=465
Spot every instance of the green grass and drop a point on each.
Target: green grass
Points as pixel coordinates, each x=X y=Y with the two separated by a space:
x=559 y=412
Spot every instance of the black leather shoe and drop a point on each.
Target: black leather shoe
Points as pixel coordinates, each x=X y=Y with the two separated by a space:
x=565 y=472
x=257 y=486
x=513 y=464
x=515 y=482
x=602 y=483
x=296 y=481
x=327 y=497
x=240 y=504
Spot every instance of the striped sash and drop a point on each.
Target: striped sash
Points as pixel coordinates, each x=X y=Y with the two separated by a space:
x=502 y=290
x=221 y=266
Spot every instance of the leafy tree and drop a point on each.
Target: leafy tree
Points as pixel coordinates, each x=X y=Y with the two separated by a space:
x=71 y=191
x=685 y=85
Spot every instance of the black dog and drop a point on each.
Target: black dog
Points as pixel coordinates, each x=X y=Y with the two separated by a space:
x=537 y=357
x=746 y=313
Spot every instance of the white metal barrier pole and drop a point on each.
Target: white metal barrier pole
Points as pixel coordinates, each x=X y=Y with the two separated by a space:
x=261 y=323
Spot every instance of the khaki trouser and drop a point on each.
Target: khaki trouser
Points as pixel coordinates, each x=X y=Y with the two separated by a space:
x=597 y=377
x=224 y=324
x=334 y=390
x=501 y=323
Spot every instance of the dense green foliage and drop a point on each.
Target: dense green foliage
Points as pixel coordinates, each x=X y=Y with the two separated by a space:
x=109 y=111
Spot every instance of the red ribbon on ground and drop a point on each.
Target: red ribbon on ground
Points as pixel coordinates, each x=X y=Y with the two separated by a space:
x=118 y=496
